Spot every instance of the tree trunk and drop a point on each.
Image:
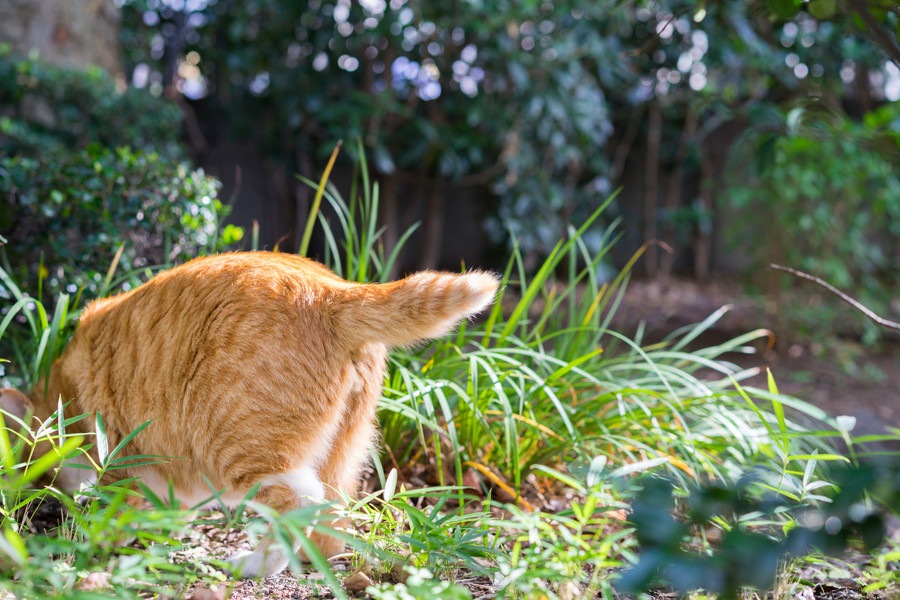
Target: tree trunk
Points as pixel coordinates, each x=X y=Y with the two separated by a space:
x=669 y=232
x=74 y=34
x=432 y=228
x=703 y=235
x=651 y=186
x=174 y=46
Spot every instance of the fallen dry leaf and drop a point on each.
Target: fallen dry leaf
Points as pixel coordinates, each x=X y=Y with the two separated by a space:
x=205 y=593
x=357 y=583
x=94 y=581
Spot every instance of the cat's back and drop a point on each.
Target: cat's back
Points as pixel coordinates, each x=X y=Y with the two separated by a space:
x=225 y=311
x=212 y=282
x=252 y=269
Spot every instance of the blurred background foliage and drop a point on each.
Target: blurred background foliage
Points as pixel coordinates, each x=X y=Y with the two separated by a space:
x=741 y=132
x=84 y=168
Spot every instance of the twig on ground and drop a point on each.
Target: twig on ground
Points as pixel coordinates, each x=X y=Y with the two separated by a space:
x=851 y=301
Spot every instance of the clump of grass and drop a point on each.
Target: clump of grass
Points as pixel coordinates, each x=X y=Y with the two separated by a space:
x=527 y=429
x=544 y=398
x=546 y=381
x=99 y=543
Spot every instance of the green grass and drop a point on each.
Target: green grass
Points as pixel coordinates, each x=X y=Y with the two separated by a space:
x=529 y=429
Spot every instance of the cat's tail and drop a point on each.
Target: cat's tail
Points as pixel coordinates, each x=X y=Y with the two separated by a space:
x=422 y=306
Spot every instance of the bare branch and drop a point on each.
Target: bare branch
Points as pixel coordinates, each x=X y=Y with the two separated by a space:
x=854 y=303
x=877 y=34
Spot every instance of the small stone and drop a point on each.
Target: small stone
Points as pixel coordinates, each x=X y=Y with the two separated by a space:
x=93 y=582
x=205 y=593
x=357 y=583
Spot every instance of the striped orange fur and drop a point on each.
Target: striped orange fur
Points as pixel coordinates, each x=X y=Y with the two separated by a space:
x=254 y=368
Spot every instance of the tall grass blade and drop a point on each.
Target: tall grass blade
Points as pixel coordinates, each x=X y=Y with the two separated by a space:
x=112 y=269
x=317 y=201
x=102 y=440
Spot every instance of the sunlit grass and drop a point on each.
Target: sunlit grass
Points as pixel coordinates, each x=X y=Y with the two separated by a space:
x=528 y=428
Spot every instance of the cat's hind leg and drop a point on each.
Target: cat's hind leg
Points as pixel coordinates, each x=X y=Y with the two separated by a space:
x=283 y=492
x=351 y=445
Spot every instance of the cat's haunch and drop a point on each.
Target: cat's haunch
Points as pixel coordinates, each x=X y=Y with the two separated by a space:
x=254 y=368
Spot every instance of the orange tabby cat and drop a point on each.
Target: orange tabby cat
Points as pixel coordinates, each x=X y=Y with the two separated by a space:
x=255 y=368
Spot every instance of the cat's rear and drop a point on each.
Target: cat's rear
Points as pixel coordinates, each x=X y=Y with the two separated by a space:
x=254 y=368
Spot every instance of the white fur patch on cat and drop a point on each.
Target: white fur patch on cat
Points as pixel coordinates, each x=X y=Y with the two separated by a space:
x=73 y=479
x=303 y=480
x=269 y=558
x=265 y=561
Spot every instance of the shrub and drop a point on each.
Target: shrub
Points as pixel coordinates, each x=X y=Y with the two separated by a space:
x=756 y=533
x=85 y=167
x=68 y=212
x=45 y=108
x=825 y=196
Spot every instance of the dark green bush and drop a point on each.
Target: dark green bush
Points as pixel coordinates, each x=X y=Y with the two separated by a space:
x=45 y=108
x=752 y=542
x=824 y=197
x=66 y=213
x=86 y=167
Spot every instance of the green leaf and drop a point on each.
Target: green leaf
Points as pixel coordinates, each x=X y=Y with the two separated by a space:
x=822 y=9
x=595 y=470
x=764 y=157
x=127 y=439
x=7 y=458
x=784 y=9
x=12 y=545
x=638 y=467
x=232 y=234
x=814 y=456
x=390 y=485
x=102 y=440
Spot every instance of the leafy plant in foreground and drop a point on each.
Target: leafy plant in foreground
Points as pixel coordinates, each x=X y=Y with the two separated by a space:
x=96 y=540
x=744 y=558
x=420 y=584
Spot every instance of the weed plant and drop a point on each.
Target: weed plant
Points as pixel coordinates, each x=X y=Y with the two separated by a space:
x=526 y=429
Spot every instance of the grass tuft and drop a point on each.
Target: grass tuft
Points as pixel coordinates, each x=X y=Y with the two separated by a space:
x=510 y=450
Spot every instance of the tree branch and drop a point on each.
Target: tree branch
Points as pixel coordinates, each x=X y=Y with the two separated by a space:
x=854 y=303
x=887 y=41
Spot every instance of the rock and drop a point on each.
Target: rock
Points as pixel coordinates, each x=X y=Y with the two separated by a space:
x=357 y=583
x=94 y=582
x=205 y=593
